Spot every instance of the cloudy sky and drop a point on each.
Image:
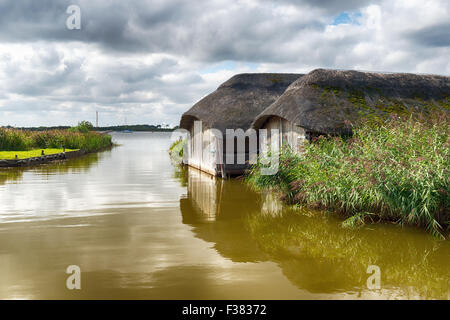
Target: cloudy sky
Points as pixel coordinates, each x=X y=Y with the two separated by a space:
x=149 y=61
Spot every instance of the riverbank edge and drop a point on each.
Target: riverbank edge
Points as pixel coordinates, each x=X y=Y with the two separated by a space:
x=353 y=220
x=33 y=161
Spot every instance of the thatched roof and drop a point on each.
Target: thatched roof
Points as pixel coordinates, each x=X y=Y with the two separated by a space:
x=325 y=101
x=237 y=102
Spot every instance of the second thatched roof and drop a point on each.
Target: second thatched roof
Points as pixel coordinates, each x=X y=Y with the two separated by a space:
x=330 y=101
x=237 y=102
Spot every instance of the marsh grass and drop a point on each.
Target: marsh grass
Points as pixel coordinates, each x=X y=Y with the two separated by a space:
x=395 y=171
x=176 y=150
x=22 y=140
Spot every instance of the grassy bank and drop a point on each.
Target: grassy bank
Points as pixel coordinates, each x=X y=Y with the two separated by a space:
x=79 y=137
x=30 y=154
x=397 y=171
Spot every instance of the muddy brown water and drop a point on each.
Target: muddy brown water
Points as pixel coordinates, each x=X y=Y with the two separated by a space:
x=139 y=228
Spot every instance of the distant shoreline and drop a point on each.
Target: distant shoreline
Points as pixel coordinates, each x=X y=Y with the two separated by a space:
x=140 y=128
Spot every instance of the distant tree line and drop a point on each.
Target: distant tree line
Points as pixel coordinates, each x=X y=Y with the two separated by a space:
x=137 y=127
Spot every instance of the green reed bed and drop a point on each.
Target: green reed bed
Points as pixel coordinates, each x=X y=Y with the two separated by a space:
x=74 y=138
x=396 y=171
x=176 y=150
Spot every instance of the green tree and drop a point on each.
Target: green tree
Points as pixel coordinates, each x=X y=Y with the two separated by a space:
x=84 y=126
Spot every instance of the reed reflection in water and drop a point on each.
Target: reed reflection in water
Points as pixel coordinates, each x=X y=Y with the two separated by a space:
x=313 y=250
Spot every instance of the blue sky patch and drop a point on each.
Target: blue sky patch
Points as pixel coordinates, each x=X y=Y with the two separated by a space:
x=347 y=18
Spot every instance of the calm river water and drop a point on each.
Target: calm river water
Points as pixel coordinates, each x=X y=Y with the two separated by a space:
x=139 y=228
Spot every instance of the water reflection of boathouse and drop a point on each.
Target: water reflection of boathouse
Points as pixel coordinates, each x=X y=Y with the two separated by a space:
x=215 y=209
x=210 y=199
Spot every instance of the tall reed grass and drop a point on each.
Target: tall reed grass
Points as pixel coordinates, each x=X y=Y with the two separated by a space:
x=176 y=150
x=22 y=140
x=396 y=171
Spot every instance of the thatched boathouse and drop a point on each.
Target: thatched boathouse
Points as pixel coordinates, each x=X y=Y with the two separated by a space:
x=323 y=102
x=330 y=102
x=234 y=105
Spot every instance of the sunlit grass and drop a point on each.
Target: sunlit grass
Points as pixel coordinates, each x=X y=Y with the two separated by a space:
x=7 y=155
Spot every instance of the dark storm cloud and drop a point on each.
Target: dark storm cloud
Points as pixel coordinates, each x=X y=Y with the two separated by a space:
x=201 y=30
x=331 y=6
x=433 y=36
x=46 y=20
x=31 y=20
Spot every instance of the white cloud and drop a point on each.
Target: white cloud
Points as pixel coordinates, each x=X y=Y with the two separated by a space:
x=150 y=61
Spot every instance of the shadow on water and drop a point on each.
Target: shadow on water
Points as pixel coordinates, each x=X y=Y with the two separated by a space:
x=314 y=252
x=76 y=165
